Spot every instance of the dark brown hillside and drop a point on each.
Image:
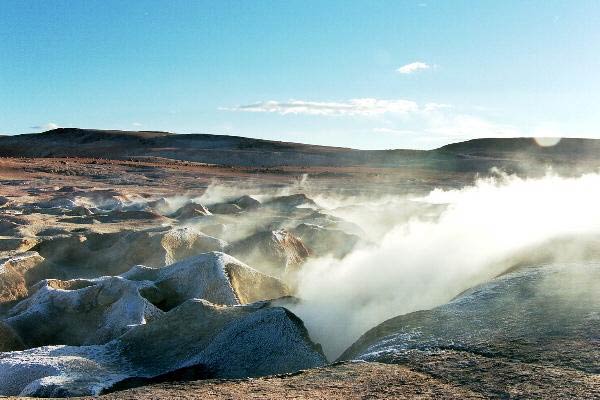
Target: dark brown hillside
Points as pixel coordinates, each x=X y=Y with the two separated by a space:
x=520 y=155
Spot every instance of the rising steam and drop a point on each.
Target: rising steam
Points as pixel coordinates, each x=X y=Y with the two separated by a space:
x=419 y=252
x=419 y=264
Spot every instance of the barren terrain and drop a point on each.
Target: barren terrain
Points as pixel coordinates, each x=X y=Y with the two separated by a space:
x=151 y=265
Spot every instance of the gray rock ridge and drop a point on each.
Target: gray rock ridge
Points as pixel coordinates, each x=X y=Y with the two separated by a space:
x=95 y=311
x=229 y=341
x=546 y=314
x=91 y=254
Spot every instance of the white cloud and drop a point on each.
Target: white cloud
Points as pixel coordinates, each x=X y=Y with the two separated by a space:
x=136 y=123
x=429 y=124
x=413 y=67
x=46 y=127
x=353 y=107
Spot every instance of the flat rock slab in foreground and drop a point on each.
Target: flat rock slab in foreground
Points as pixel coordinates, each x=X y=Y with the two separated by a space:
x=342 y=381
x=360 y=380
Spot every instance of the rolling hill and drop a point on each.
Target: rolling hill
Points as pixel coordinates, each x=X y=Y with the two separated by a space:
x=513 y=154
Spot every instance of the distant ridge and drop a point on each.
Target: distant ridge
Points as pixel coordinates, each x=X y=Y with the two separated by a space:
x=513 y=154
x=88 y=135
x=521 y=144
x=101 y=132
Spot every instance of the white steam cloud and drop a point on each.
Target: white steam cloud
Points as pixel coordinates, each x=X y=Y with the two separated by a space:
x=420 y=264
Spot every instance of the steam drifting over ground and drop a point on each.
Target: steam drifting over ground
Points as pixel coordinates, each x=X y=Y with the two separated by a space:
x=351 y=251
x=417 y=251
x=420 y=263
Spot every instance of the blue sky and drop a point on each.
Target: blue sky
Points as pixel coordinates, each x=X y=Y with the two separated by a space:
x=364 y=74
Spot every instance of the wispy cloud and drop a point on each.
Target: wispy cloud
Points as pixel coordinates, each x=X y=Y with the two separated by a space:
x=46 y=127
x=413 y=67
x=444 y=122
x=435 y=106
x=465 y=126
x=393 y=131
x=138 y=124
x=353 y=107
x=435 y=122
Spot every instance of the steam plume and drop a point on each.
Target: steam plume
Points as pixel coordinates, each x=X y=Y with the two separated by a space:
x=420 y=264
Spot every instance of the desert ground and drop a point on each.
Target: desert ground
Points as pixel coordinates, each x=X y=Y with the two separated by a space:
x=166 y=274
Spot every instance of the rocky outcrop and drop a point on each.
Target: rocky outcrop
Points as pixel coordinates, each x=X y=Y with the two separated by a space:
x=216 y=230
x=160 y=205
x=276 y=252
x=290 y=202
x=9 y=339
x=17 y=244
x=128 y=215
x=224 y=342
x=53 y=232
x=4 y=201
x=12 y=225
x=79 y=312
x=62 y=202
x=247 y=203
x=544 y=317
x=225 y=208
x=322 y=241
x=14 y=273
x=191 y=210
x=8 y=228
x=95 y=254
x=86 y=312
x=216 y=277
